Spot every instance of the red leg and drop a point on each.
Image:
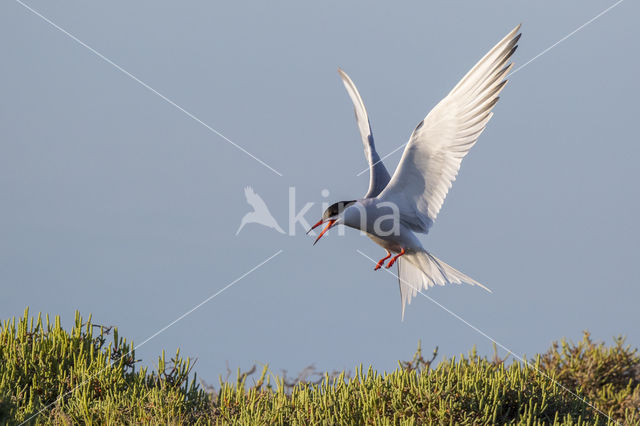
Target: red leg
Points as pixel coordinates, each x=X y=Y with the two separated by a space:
x=381 y=261
x=393 y=260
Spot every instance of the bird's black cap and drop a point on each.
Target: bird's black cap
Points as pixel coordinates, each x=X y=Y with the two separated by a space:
x=336 y=208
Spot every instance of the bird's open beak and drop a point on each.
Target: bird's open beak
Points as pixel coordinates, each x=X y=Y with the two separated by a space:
x=330 y=224
x=315 y=226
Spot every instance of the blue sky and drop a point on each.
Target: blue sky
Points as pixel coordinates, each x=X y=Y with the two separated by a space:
x=116 y=203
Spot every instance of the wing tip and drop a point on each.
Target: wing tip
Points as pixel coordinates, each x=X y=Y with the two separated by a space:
x=343 y=75
x=476 y=283
x=483 y=287
x=517 y=28
x=517 y=38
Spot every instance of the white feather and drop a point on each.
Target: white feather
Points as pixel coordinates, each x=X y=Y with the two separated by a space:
x=420 y=270
x=432 y=158
x=378 y=175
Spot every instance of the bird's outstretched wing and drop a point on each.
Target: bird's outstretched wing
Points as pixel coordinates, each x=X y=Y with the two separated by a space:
x=378 y=174
x=432 y=158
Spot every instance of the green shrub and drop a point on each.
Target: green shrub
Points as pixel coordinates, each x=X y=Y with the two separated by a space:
x=609 y=377
x=78 y=377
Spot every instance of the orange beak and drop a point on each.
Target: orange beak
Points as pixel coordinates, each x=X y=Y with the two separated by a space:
x=315 y=226
x=330 y=225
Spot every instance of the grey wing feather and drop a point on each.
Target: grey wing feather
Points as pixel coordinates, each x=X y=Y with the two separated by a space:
x=378 y=175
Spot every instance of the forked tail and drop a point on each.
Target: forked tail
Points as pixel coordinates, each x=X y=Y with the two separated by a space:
x=420 y=270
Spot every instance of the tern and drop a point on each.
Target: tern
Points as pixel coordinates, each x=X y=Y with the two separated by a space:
x=409 y=201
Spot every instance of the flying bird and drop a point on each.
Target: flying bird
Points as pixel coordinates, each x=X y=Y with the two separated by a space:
x=260 y=213
x=409 y=201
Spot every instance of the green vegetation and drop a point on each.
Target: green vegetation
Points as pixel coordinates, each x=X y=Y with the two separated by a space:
x=90 y=376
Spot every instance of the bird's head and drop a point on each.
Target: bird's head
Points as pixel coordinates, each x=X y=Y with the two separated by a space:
x=331 y=217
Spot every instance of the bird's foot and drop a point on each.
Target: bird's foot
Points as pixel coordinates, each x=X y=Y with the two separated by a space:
x=381 y=261
x=393 y=260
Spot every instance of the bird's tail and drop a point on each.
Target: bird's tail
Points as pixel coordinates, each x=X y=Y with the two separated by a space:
x=420 y=270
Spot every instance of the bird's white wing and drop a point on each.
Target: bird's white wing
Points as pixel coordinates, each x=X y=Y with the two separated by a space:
x=432 y=158
x=378 y=174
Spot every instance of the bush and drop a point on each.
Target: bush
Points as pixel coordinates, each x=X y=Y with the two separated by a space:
x=609 y=377
x=78 y=377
